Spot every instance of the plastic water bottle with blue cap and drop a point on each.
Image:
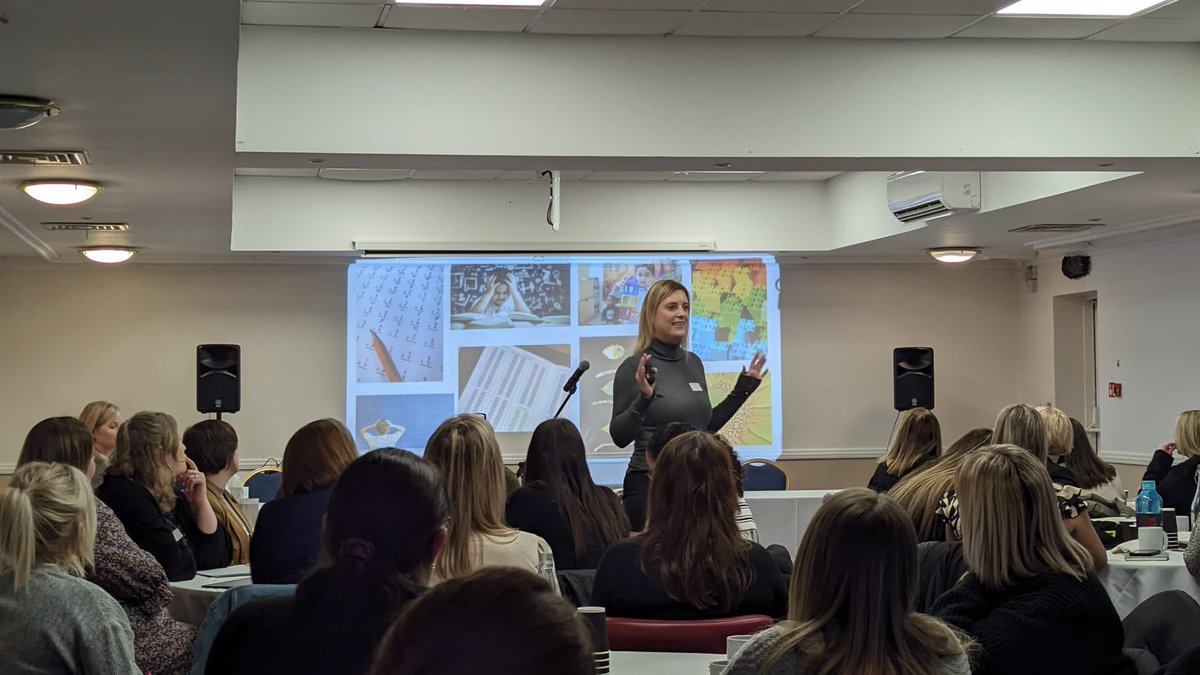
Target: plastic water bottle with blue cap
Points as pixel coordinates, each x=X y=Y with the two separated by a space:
x=1149 y=505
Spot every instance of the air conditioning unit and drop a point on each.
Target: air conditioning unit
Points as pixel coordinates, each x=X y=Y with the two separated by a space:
x=924 y=195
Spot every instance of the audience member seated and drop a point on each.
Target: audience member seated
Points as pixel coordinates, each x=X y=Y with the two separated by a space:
x=385 y=524
x=287 y=535
x=213 y=446
x=51 y=620
x=561 y=504
x=465 y=449
x=1103 y=491
x=102 y=420
x=496 y=621
x=1177 y=484
x=1031 y=600
x=1059 y=442
x=1022 y=426
x=851 y=601
x=920 y=492
x=174 y=524
x=918 y=442
x=690 y=562
x=132 y=576
x=744 y=517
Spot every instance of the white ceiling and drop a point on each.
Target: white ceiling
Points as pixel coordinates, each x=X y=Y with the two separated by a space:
x=868 y=19
x=497 y=174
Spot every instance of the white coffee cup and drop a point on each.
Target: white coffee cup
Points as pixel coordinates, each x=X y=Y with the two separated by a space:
x=717 y=667
x=1181 y=522
x=734 y=644
x=1151 y=539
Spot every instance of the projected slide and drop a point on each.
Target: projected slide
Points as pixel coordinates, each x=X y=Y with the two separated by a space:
x=430 y=338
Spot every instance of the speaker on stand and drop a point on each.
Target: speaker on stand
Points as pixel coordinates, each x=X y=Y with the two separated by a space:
x=912 y=377
x=218 y=379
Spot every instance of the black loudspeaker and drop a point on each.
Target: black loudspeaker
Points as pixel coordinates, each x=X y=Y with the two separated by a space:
x=912 y=373
x=1076 y=266
x=218 y=378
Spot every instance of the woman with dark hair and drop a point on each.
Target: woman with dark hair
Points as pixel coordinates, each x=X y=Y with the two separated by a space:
x=1103 y=491
x=690 y=562
x=213 y=446
x=158 y=494
x=130 y=575
x=385 y=525
x=561 y=504
x=498 y=620
x=918 y=442
x=852 y=600
x=663 y=382
x=287 y=534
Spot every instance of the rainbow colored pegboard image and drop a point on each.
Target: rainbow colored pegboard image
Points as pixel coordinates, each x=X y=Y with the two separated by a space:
x=729 y=309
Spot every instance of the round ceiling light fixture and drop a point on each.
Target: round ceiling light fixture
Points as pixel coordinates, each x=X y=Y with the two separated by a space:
x=953 y=255
x=108 y=255
x=61 y=192
x=19 y=112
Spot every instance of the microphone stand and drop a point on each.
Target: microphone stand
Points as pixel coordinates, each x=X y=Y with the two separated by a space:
x=570 y=392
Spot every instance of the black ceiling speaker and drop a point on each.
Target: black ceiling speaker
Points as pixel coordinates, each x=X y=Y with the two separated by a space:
x=1076 y=266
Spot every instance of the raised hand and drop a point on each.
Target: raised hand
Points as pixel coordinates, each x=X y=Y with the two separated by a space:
x=757 y=368
x=192 y=483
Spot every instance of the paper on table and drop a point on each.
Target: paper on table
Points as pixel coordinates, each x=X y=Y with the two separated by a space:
x=231 y=571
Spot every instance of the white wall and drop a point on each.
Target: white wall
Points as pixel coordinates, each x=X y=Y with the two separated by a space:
x=1148 y=317
x=73 y=333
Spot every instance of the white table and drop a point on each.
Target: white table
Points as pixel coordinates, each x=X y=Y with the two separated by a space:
x=190 y=601
x=661 y=663
x=1129 y=582
x=783 y=515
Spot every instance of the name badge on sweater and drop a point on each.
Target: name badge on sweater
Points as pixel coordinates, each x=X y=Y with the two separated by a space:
x=695 y=386
x=177 y=534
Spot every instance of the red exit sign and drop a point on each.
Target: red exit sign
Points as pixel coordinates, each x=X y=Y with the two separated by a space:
x=1114 y=390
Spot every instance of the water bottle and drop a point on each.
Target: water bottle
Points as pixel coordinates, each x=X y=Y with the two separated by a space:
x=1149 y=506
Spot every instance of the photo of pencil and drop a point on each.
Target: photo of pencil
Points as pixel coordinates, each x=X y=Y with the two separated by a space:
x=385 y=359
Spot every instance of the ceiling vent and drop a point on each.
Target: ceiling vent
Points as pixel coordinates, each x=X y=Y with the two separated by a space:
x=44 y=157
x=86 y=227
x=1058 y=227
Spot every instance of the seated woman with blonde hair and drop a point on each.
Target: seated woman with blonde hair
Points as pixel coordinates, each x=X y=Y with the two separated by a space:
x=465 y=449
x=851 y=601
x=51 y=620
x=921 y=492
x=1177 y=482
x=918 y=442
x=1031 y=599
x=102 y=420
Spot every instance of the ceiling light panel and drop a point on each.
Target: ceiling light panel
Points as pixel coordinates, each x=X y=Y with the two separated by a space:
x=1052 y=8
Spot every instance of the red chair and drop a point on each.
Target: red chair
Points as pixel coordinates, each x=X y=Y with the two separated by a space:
x=705 y=636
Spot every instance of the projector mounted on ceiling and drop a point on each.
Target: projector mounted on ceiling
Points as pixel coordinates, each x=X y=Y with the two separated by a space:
x=925 y=195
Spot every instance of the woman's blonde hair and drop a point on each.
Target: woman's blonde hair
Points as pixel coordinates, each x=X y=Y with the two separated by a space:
x=920 y=492
x=315 y=456
x=1009 y=518
x=1022 y=426
x=1059 y=436
x=47 y=515
x=96 y=414
x=465 y=449
x=920 y=435
x=852 y=596
x=146 y=445
x=1187 y=433
x=657 y=294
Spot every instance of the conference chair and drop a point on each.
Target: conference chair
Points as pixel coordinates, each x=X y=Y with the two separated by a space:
x=763 y=474
x=264 y=482
x=705 y=636
x=221 y=610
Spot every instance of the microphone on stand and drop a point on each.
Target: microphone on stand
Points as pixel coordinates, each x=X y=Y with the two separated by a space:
x=572 y=384
x=572 y=381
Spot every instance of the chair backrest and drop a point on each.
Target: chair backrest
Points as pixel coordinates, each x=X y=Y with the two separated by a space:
x=576 y=586
x=706 y=636
x=763 y=474
x=222 y=608
x=263 y=483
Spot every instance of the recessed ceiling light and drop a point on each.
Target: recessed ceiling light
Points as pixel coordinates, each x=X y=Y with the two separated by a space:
x=61 y=192
x=953 y=255
x=1077 y=8
x=19 y=112
x=108 y=255
x=475 y=3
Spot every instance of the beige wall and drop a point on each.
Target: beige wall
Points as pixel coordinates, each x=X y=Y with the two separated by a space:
x=74 y=333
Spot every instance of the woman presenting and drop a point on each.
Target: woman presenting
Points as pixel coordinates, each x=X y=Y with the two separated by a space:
x=663 y=383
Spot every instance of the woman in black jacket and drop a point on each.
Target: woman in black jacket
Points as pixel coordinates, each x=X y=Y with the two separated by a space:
x=1177 y=484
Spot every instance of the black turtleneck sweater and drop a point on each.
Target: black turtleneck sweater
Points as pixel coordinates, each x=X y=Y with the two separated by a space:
x=680 y=395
